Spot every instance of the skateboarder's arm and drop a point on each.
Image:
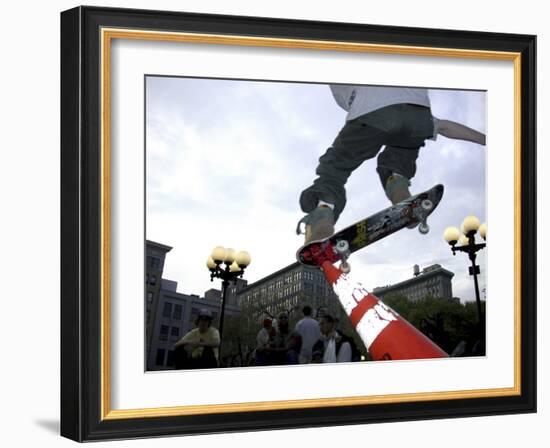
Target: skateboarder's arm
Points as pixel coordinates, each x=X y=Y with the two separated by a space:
x=454 y=130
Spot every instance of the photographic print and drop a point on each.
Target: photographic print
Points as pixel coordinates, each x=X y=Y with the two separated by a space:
x=295 y=223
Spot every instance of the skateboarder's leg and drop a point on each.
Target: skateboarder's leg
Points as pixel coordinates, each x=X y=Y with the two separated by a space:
x=396 y=166
x=397 y=163
x=355 y=143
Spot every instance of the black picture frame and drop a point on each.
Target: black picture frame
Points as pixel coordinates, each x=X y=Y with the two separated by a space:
x=83 y=407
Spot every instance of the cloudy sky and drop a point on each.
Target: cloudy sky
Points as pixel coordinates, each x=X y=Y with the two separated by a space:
x=226 y=161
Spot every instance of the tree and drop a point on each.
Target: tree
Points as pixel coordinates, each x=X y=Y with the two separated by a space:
x=446 y=322
x=238 y=340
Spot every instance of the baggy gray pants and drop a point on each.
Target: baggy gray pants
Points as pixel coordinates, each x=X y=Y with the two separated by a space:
x=401 y=128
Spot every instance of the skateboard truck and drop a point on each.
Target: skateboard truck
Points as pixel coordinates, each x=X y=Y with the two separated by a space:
x=342 y=250
x=422 y=215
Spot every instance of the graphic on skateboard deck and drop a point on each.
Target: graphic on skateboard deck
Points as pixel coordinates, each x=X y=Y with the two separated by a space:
x=338 y=247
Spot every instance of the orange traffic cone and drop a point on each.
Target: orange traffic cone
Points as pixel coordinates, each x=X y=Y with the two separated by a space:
x=385 y=334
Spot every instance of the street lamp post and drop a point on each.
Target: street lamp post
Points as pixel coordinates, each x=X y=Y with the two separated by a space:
x=227 y=265
x=467 y=243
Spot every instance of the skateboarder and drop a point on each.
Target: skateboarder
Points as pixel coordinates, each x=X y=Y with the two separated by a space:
x=398 y=119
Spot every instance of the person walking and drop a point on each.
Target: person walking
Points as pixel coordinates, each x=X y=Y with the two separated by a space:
x=308 y=329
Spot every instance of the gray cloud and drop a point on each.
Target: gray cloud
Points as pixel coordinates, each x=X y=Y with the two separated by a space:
x=227 y=161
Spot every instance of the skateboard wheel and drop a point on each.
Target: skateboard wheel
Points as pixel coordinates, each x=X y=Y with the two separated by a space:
x=423 y=228
x=342 y=247
x=427 y=205
x=345 y=267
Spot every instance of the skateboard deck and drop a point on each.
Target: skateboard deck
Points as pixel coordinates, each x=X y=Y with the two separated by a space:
x=338 y=247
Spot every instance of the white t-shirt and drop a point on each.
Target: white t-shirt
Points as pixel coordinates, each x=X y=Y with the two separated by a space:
x=308 y=328
x=344 y=354
x=360 y=100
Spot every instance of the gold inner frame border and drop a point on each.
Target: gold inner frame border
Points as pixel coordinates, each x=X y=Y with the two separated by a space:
x=107 y=35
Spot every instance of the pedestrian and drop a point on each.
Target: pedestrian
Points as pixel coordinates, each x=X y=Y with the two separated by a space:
x=264 y=338
x=286 y=345
x=333 y=345
x=396 y=118
x=198 y=349
x=308 y=329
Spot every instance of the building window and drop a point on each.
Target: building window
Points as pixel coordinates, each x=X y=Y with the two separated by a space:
x=163 y=332
x=167 y=312
x=160 y=357
x=177 y=311
x=170 y=361
x=153 y=280
x=153 y=262
x=149 y=297
x=175 y=333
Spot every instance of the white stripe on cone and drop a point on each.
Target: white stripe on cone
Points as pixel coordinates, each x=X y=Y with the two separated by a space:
x=375 y=319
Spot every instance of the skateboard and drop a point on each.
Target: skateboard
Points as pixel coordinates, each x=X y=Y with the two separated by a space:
x=410 y=212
